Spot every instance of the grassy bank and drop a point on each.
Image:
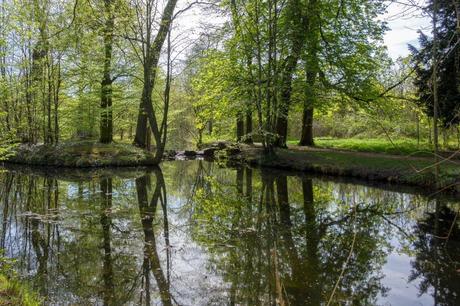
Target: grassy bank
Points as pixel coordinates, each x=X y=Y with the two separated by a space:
x=81 y=154
x=370 y=166
x=403 y=146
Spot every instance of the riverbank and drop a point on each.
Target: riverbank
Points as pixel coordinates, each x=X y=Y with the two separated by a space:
x=81 y=154
x=395 y=169
x=92 y=154
x=398 y=146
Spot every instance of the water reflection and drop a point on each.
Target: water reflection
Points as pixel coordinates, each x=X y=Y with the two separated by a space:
x=197 y=234
x=437 y=259
x=147 y=209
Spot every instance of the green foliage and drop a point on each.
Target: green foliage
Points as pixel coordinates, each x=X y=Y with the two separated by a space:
x=448 y=70
x=214 y=94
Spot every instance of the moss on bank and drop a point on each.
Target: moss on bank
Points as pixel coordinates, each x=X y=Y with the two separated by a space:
x=82 y=154
x=375 y=167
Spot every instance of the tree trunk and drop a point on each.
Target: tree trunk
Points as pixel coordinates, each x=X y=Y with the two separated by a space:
x=306 y=138
x=141 y=126
x=56 y=102
x=311 y=73
x=418 y=130
x=106 y=121
x=248 y=136
x=150 y=63
x=297 y=40
x=239 y=127
x=282 y=119
x=435 y=89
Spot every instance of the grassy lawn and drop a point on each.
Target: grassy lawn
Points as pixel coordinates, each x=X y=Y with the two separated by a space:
x=399 y=146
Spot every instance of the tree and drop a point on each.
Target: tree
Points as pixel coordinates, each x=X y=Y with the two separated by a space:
x=149 y=52
x=106 y=121
x=446 y=59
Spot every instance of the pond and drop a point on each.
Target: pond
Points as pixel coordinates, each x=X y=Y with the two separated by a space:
x=197 y=233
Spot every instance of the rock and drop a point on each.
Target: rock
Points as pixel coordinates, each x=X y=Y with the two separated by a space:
x=220 y=145
x=169 y=154
x=233 y=150
x=186 y=153
x=209 y=152
x=189 y=153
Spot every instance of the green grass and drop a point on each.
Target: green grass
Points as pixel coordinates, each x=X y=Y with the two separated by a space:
x=397 y=146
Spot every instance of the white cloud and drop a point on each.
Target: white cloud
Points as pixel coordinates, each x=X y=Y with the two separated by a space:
x=404 y=22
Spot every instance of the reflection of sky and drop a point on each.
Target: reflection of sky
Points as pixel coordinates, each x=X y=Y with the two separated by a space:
x=397 y=270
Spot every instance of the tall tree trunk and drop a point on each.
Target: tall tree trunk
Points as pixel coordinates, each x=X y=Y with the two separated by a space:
x=106 y=121
x=435 y=88
x=56 y=101
x=311 y=73
x=297 y=39
x=141 y=127
x=49 y=98
x=417 y=118
x=150 y=62
x=248 y=132
x=239 y=126
x=306 y=138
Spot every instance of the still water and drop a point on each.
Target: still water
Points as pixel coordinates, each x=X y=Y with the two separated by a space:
x=195 y=233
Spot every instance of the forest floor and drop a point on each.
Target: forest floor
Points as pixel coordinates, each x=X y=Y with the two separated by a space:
x=399 y=169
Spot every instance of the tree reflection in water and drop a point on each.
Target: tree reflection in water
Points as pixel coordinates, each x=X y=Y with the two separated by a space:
x=197 y=234
x=290 y=254
x=437 y=259
x=147 y=209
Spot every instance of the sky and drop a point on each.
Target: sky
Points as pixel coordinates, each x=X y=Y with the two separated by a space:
x=404 y=24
